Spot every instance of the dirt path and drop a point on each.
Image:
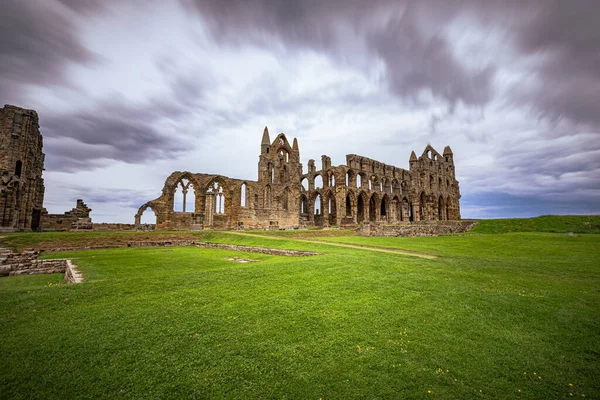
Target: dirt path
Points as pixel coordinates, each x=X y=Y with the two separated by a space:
x=352 y=246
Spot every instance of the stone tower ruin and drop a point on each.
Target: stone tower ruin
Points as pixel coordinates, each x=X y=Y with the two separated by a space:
x=21 y=166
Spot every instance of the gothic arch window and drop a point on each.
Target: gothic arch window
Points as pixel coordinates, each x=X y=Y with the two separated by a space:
x=285 y=199
x=348 y=206
x=318 y=206
x=304 y=183
x=383 y=210
x=303 y=205
x=318 y=182
x=358 y=181
x=350 y=179
x=219 y=201
x=284 y=155
x=184 y=196
x=243 y=195
x=331 y=180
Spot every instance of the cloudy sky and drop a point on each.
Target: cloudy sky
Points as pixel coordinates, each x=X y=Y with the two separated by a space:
x=129 y=91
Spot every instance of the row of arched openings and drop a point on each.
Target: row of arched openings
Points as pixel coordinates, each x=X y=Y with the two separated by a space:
x=383 y=185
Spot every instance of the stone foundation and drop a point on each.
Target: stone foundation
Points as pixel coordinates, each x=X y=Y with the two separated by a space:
x=424 y=228
x=250 y=249
x=26 y=263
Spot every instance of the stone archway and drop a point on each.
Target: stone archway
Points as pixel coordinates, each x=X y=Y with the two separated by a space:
x=372 y=209
x=360 y=209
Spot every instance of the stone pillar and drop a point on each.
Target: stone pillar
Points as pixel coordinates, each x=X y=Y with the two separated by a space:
x=209 y=210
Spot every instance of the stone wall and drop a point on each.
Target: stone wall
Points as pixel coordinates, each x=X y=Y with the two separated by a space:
x=78 y=219
x=251 y=249
x=107 y=226
x=26 y=263
x=21 y=166
x=424 y=228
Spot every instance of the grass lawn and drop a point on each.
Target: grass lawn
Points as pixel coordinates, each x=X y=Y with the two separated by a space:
x=507 y=315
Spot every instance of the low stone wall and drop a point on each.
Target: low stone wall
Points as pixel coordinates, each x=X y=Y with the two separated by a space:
x=26 y=263
x=173 y=243
x=161 y=243
x=106 y=226
x=250 y=249
x=423 y=228
x=39 y=267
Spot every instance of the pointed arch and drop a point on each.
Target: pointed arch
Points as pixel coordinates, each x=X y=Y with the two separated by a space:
x=350 y=203
x=350 y=181
x=373 y=205
x=285 y=199
x=318 y=204
x=243 y=194
x=216 y=187
x=304 y=184
x=318 y=181
x=406 y=213
x=142 y=211
x=422 y=203
x=303 y=204
x=361 y=203
x=331 y=179
x=384 y=207
x=441 y=209
x=184 y=194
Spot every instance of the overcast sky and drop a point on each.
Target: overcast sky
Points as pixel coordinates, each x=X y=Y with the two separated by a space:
x=128 y=91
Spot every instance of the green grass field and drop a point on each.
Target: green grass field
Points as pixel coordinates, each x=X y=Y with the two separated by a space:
x=494 y=315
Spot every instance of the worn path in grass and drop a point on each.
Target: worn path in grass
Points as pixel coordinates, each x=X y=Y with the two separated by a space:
x=352 y=246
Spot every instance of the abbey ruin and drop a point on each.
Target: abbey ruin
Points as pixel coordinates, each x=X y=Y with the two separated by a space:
x=284 y=197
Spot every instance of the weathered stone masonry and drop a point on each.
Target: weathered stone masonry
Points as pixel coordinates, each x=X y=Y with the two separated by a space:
x=78 y=219
x=21 y=166
x=284 y=197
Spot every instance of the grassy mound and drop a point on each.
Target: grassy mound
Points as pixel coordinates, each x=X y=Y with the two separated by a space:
x=545 y=223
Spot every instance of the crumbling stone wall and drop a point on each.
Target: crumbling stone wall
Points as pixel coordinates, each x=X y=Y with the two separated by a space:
x=78 y=219
x=21 y=166
x=26 y=263
x=284 y=197
x=423 y=228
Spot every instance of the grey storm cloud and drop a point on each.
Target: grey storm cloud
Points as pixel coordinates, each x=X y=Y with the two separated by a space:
x=38 y=42
x=407 y=36
x=112 y=131
x=414 y=60
x=566 y=36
